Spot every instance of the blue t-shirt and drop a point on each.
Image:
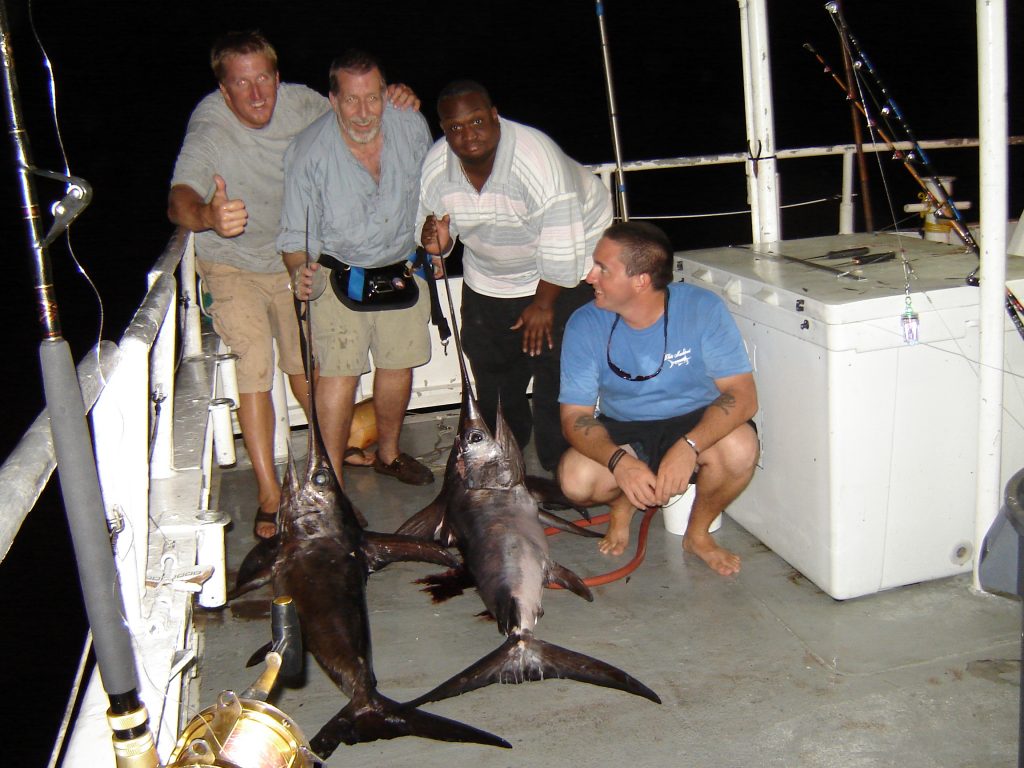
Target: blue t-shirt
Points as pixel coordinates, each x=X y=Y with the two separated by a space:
x=703 y=345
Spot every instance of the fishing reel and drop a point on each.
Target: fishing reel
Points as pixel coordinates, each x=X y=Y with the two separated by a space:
x=245 y=731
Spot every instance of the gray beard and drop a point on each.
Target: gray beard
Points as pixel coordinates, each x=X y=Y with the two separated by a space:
x=363 y=138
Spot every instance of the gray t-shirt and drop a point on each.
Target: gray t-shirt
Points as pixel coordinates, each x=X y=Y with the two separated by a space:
x=251 y=160
x=351 y=216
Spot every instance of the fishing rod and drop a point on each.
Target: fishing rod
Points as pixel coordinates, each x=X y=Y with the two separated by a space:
x=935 y=193
x=613 y=115
x=888 y=108
x=957 y=223
x=76 y=463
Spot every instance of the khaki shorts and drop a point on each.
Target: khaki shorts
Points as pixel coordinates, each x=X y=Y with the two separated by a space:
x=250 y=310
x=397 y=338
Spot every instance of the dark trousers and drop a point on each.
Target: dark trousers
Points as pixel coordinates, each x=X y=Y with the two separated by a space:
x=502 y=370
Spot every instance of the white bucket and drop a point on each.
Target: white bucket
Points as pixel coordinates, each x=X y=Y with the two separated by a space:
x=676 y=514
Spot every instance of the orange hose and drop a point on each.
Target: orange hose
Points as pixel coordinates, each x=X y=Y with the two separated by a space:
x=628 y=568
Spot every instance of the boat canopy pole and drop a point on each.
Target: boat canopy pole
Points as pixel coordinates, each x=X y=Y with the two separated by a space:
x=620 y=176
x=762 y=178
x=993 y=137
x=76 y=463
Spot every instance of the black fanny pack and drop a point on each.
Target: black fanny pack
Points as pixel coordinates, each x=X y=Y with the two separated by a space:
x=371 y=289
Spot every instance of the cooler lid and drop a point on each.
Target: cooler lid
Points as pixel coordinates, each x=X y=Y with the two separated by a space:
x=850 y=277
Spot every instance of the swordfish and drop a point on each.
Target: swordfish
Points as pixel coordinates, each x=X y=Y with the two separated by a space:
x=492 y=517
x=322 y=561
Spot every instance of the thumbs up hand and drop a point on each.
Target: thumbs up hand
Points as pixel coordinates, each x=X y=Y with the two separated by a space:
x=227 y=217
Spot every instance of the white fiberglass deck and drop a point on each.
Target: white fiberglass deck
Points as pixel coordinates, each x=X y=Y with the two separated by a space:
x=760 y=669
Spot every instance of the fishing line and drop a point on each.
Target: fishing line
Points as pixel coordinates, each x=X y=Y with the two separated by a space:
x=52 y=85
x=72 y=700
x=744 y=212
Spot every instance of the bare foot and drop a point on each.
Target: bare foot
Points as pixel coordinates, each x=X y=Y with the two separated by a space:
x=718 y=558
x=617 y=537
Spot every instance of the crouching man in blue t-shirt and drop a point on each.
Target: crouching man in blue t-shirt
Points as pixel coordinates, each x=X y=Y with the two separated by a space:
x=656 y=393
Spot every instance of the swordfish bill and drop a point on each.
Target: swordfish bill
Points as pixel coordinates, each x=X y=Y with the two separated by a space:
x=322 y=562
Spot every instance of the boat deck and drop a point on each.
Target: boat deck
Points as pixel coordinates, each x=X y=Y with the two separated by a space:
x=758 y=669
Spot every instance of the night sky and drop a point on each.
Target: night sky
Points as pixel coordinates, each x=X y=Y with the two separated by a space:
x=129 y=74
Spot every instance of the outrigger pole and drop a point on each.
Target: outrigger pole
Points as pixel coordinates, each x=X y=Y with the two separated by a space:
x=613 y=115
x=76 y=463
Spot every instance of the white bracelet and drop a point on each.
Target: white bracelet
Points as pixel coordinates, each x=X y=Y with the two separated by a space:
x=692 y=444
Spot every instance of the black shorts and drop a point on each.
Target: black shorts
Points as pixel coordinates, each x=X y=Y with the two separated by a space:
x=652 y=439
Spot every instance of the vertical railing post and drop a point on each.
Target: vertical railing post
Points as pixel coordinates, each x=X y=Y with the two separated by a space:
x=846 y=201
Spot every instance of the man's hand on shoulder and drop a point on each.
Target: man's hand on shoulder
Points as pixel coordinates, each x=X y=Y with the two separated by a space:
x=402 y=96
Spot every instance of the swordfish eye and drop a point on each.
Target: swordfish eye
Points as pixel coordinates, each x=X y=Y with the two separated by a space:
x=320 y=478
x=475 y=436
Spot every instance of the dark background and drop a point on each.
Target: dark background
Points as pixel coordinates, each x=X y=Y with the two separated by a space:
x=129 y=74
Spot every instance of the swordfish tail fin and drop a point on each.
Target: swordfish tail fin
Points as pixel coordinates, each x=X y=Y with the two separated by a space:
x=523 y=658
x=383 y=718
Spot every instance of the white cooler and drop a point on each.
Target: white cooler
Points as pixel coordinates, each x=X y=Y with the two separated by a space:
x=869 y=445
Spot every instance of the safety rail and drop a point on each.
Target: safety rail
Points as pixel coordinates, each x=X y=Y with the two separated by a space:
x=847 y=152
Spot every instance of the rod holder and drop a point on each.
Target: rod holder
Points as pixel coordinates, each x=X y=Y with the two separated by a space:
x=227 y=377
x=210 y=552
x=223 y=433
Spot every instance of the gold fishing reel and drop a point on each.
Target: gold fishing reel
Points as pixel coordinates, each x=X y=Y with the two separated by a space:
x=238 y=732
x=245 y=731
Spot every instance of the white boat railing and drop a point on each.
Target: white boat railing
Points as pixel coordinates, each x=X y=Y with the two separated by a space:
x=847 y=153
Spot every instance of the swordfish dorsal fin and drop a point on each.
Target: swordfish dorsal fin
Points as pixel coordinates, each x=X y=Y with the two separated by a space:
x=510 y=448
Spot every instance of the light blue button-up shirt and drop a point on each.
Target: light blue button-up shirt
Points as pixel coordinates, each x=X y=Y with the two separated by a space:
x=351 y=216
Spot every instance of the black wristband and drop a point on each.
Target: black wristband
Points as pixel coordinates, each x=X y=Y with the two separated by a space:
x=615 y=459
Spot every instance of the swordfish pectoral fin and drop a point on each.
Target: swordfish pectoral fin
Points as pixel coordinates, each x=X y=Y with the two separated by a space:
x=384 y=548
x=554 y=521
x=426 y=524
x=255 y=570
x=383 y=718
x=563 y=577
x=524 y=658
x=549 y=493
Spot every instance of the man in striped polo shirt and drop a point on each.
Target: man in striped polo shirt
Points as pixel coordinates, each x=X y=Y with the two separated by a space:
x=528 y=217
